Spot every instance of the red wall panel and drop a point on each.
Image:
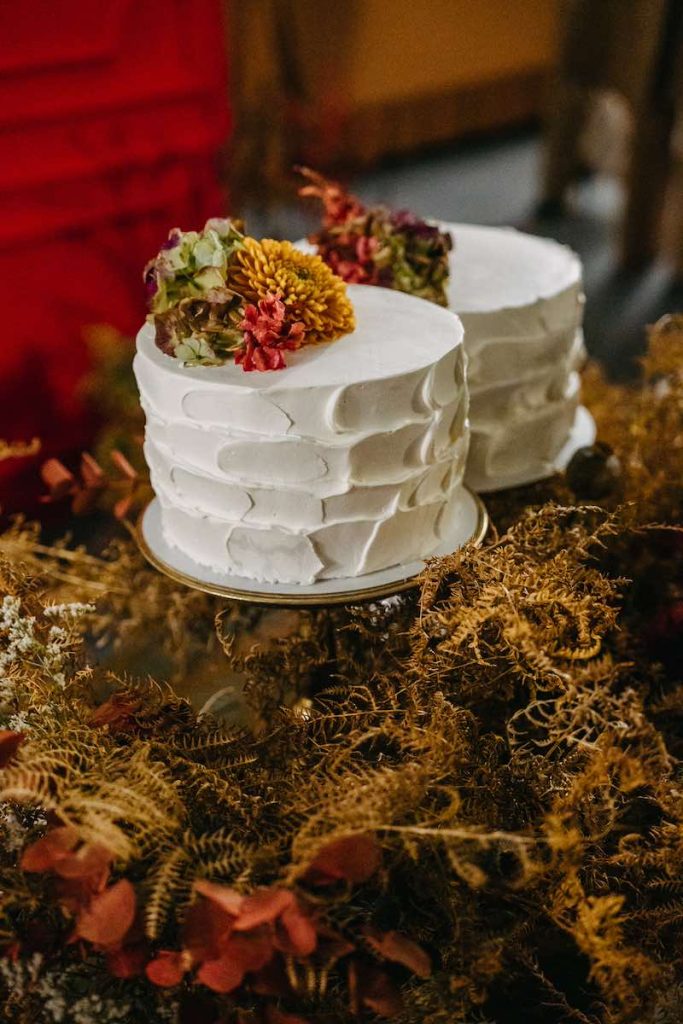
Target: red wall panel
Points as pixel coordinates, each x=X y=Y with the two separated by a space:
x=112 y=118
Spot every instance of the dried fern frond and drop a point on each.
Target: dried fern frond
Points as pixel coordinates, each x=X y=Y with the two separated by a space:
x=505 y=739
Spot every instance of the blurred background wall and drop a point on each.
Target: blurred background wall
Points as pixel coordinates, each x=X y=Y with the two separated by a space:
x=348 y=84
x=121 y=120
x=112 y=116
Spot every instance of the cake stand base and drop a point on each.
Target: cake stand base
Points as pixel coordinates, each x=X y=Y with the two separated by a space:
x=583 y=433
x=470 y=525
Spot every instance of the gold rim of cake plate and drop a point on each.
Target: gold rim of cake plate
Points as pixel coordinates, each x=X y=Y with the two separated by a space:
x=357 y=596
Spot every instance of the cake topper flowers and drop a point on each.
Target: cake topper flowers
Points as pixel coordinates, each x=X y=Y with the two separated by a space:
x=217 y=295
x=375 y=245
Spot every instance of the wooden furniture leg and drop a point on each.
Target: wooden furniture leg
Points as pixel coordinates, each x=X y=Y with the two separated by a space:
x=564 y=122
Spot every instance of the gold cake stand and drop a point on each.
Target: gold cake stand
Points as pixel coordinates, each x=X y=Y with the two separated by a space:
x=282 y=609
x=183 y=570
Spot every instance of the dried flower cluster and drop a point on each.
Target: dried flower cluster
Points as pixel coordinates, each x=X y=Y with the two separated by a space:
x=374 y=245
x=475 y=809
x=217 y=294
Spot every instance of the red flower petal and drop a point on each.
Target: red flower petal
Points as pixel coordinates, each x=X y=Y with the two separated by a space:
x=260 y=359
x=167 y=969
x=9 y=744
x=221 y=975
x=401 y=950
x=48 y=851
x=353 y=858
x=109 y=916
x=262 y=907
x=250 y=317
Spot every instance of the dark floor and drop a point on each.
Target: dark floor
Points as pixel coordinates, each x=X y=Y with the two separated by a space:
x=496 y=182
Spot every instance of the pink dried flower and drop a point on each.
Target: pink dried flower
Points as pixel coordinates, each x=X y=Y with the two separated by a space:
x=267 y=334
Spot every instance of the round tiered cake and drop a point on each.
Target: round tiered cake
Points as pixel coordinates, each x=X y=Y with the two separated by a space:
x=348 y=461
x=520 y=301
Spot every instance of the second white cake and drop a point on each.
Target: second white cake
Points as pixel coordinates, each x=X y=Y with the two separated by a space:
x=520 y=299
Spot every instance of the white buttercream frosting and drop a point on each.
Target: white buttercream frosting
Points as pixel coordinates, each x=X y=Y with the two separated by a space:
x=520 y=300
x=343 y=463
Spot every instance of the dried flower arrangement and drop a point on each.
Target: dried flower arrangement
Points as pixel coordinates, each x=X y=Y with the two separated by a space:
x=216 y=295
x=477 y=809
x=375 y=245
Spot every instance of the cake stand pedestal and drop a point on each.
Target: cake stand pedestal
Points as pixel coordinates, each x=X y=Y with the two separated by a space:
x=284 y=604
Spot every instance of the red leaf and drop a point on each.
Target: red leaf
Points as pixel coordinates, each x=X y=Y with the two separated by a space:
x=128 y=962
x=401 y=950
x=84 y=500
x=354 y=858
x=117 y=713
x=109 y=916
x=301 y=937
x=377 y=992
x=48 y=851
x=76 y=893
x=92 y=473
x=251 y=950
x=227 y=899
x=205 y=930
x=123 y=506
x=9 y=744
x=89 y=861
x=58 y=479
x=123 y=465
x=262 y=907
x=221 y=975
x=167 y=969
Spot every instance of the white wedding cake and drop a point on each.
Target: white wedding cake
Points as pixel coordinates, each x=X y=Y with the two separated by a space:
x=520 y=300
x=347 y=461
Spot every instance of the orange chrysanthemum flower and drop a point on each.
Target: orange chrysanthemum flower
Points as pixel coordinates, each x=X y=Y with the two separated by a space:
x=309 y=289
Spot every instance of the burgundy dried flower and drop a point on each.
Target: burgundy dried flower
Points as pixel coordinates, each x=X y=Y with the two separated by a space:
x=339 y=205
